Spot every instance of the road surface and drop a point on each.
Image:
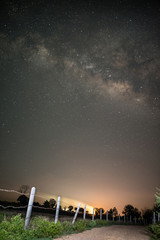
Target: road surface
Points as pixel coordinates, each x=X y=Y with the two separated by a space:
x=119 y=232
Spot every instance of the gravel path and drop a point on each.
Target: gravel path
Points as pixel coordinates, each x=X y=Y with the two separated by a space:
x=111 y=233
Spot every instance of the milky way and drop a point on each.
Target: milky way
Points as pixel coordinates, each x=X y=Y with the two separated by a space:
x=80 y=99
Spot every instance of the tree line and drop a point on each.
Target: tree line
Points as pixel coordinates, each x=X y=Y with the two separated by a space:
x=128 y=210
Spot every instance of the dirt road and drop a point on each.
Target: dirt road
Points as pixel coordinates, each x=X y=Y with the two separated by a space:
x=111 y=233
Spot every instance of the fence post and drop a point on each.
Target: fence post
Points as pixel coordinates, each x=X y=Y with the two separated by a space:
x=107 y=216
x=113 y=217
x=158 y=217
x=93 y=215
x=29 y=208
x=154 y=218
x=101 y=214
x=130 y=219
x=75 y=216
x=57 y=209
x=124 y=218
x=84 y=213
x=119 y=218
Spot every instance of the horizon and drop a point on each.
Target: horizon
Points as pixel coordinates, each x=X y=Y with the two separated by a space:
x=66 y=201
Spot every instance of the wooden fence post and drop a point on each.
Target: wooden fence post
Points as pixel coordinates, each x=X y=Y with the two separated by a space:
x=84 y=213
x=113 y=217
x=107 y=216
x=119 y=218
x=124 y=218
x=93 y=215
x=29 y=208
x=75 y=216
x=57 y=209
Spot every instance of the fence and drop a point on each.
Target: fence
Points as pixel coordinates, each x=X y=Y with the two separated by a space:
x=31 y=205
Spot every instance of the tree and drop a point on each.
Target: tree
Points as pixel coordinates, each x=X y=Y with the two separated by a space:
x=46 y=204
x=110 y=213
x=81 y=210
x=23 y=200
x=52 y=202
x=137 y=213
x=115 y=212
x=23 y=188
x=157 y=205
x=36 y=204
x=97 y=211
x=147 y=214
x=128 y=210
x=70 y=208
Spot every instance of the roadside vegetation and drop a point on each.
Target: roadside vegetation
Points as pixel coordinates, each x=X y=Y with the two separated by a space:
x=155 y=229
x=39 y=228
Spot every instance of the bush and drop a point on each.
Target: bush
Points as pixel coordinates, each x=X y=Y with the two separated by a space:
x=100 y=223
x=44 y=228
x=155 y=230
x=1 y=217
x=12 y=230
x=80 y=226
x=67 y=227
x=91 y=224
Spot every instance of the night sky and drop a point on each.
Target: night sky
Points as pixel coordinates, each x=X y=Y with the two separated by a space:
x=80 y=99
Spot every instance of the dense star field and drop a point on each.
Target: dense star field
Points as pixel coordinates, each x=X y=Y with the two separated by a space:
x=80 y=99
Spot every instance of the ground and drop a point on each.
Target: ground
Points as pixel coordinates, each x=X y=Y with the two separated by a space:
x=111 y=233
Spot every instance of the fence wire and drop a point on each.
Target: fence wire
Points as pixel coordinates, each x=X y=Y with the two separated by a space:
x=64 y=204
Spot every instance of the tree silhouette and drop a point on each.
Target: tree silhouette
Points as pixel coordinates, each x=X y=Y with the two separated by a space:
x=129 y=210
x=36 y=204
x=114 y=211
x=70 y=208
x=147 y=214
x=46 y=204
x=23 y=188
x=23 y=199
x=81 y=210
x=110 y=213
x=52 y=202
x=97 y=211
x=137 y=213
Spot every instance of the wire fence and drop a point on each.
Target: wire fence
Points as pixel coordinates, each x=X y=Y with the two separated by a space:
x=61 y=207
x=64 y=204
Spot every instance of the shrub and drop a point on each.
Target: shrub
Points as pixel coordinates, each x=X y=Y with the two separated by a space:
x=91 y=224
x=13 y=229
x=155 y=230
x=44 y=228
x=67 y=227
x=1 y=217
x=100 y=223
x=80 y=226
